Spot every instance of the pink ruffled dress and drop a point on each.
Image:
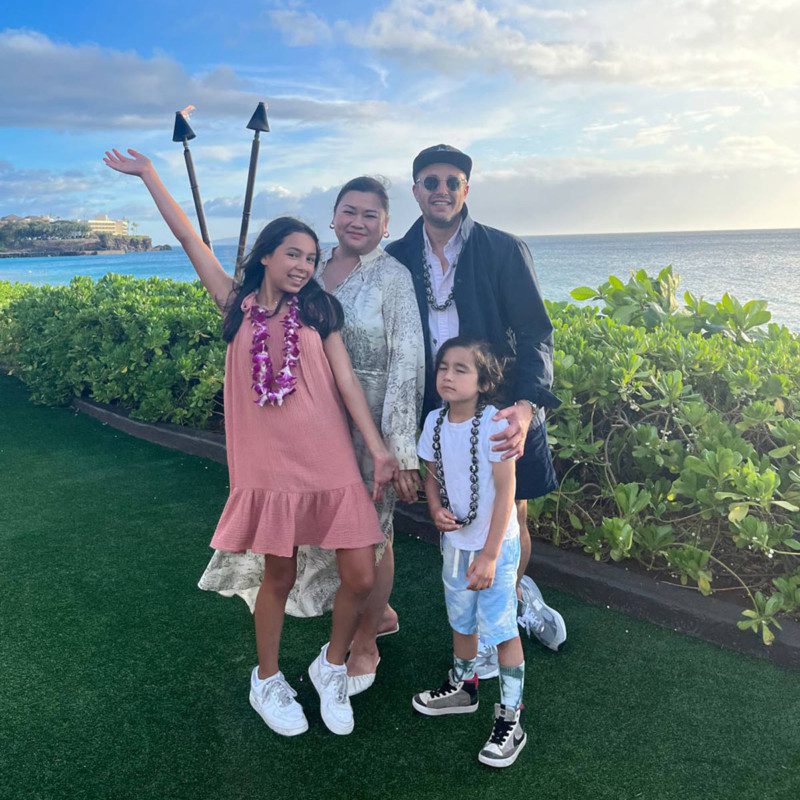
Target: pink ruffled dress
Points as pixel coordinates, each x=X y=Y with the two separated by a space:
x=293 y=474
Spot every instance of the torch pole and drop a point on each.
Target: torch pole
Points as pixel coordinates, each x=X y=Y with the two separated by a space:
x=248 y=198
x=182 y=132
x=198 y=203
x=258 y=123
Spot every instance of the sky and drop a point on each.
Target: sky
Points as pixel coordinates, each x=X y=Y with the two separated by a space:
x=581 y=117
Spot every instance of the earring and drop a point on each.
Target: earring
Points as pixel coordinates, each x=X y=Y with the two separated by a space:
x=386 y=234
x=331 y=226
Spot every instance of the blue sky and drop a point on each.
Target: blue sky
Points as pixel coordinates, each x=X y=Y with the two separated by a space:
x=607 y=115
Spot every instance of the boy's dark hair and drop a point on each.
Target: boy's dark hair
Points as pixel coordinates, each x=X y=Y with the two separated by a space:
x=490 y=369
x=316 y=308
x=364 y=184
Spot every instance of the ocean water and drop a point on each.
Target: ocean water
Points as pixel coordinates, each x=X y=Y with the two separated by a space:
x=758 y=264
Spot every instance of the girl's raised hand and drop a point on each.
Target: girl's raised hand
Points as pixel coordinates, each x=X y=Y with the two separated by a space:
x=137 y=164
x=386 y=470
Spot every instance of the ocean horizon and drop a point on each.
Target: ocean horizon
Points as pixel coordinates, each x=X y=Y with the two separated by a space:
x=760 y=264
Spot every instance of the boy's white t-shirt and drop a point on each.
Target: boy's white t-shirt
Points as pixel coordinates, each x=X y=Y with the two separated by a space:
x=456 y=460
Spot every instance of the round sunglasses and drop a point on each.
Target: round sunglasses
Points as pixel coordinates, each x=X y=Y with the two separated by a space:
x=431 y=182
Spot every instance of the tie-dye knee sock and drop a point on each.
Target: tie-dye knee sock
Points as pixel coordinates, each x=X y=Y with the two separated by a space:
x=463 y=668
x=512 y=681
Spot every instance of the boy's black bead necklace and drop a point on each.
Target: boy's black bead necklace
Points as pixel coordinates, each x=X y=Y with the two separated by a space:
x=473 y=467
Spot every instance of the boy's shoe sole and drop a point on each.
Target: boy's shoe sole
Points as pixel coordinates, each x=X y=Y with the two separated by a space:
x=504 y=762
x=333 y=725
x=561 y=627
x=486 y=674
x=442 y=712
x=283 y=731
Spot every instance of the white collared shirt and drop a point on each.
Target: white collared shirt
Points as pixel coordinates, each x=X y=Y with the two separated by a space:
x=443 y=325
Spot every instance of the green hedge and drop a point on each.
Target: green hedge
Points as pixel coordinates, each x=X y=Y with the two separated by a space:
x=677 y=444
x=152 y=346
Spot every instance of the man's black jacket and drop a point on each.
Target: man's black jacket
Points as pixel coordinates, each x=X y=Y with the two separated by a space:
x=498 y=299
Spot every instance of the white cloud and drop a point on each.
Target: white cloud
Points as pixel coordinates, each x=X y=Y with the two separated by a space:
x=589 y=198
x=24 y=186
x=650 y=136
x=756 y=151
x=671 y=43
x=300 y=28
x=65 y=86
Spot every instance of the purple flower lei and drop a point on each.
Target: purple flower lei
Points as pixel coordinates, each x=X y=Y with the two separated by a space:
x=263 y=375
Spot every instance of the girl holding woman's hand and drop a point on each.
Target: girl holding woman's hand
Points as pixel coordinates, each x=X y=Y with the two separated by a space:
x=294 y=478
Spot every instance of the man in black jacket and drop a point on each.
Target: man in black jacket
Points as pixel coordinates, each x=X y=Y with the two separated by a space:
x=475 y=280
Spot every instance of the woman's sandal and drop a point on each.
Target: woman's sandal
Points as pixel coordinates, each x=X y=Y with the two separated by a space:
x=389 y=632
x=360 y=683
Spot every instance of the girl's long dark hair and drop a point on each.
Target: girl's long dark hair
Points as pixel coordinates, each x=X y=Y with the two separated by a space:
x=316 y=308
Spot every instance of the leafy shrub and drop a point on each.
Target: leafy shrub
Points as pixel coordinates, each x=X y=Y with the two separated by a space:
x=11 y=291
x=677 y=444
x=678 y=440
x=152 y=346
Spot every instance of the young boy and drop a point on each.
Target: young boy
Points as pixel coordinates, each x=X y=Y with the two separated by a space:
x=470 y=494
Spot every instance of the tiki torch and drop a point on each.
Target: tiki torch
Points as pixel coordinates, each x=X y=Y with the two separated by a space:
x=182 y=132
x=258 y=122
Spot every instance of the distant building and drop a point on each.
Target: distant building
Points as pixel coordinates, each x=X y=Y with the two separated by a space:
x=117 y=227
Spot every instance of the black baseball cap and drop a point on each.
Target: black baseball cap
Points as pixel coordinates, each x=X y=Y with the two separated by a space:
x=441 y=154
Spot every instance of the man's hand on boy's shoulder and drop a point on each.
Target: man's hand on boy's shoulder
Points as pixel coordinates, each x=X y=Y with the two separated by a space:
x=511 y=441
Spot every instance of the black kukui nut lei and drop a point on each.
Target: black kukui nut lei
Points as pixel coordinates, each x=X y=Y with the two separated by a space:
x=426 y=274
x=473 y=467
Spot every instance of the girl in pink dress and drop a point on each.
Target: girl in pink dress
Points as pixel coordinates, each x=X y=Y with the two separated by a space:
x=294 y=479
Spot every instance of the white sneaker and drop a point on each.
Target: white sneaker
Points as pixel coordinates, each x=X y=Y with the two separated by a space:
x=331 y=684
x=487 y=663
x=274 y=701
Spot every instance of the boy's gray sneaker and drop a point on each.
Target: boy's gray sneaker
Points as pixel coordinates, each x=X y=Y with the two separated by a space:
x=487 y=662
x=507 y=739
x=452 y=697
x=537 y=619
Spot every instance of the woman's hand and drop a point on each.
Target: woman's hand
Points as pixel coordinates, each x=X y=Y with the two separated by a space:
x=445 y=521
x=481 y=572
x=138 y=164
x=407 y=484
x=386 y=470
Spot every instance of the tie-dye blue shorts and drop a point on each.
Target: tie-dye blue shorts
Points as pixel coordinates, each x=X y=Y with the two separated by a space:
x=491 y=611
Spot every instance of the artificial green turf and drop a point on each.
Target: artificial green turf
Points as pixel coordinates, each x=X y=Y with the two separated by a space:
x=121 y=680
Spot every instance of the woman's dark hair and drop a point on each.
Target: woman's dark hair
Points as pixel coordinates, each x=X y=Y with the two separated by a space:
x=490 y=370
x=316 y=308
x=364 y=184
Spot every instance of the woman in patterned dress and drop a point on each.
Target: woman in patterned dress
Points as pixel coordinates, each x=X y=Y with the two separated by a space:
x=383 y=335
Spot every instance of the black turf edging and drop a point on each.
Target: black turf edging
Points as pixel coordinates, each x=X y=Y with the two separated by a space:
x=603 y=584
